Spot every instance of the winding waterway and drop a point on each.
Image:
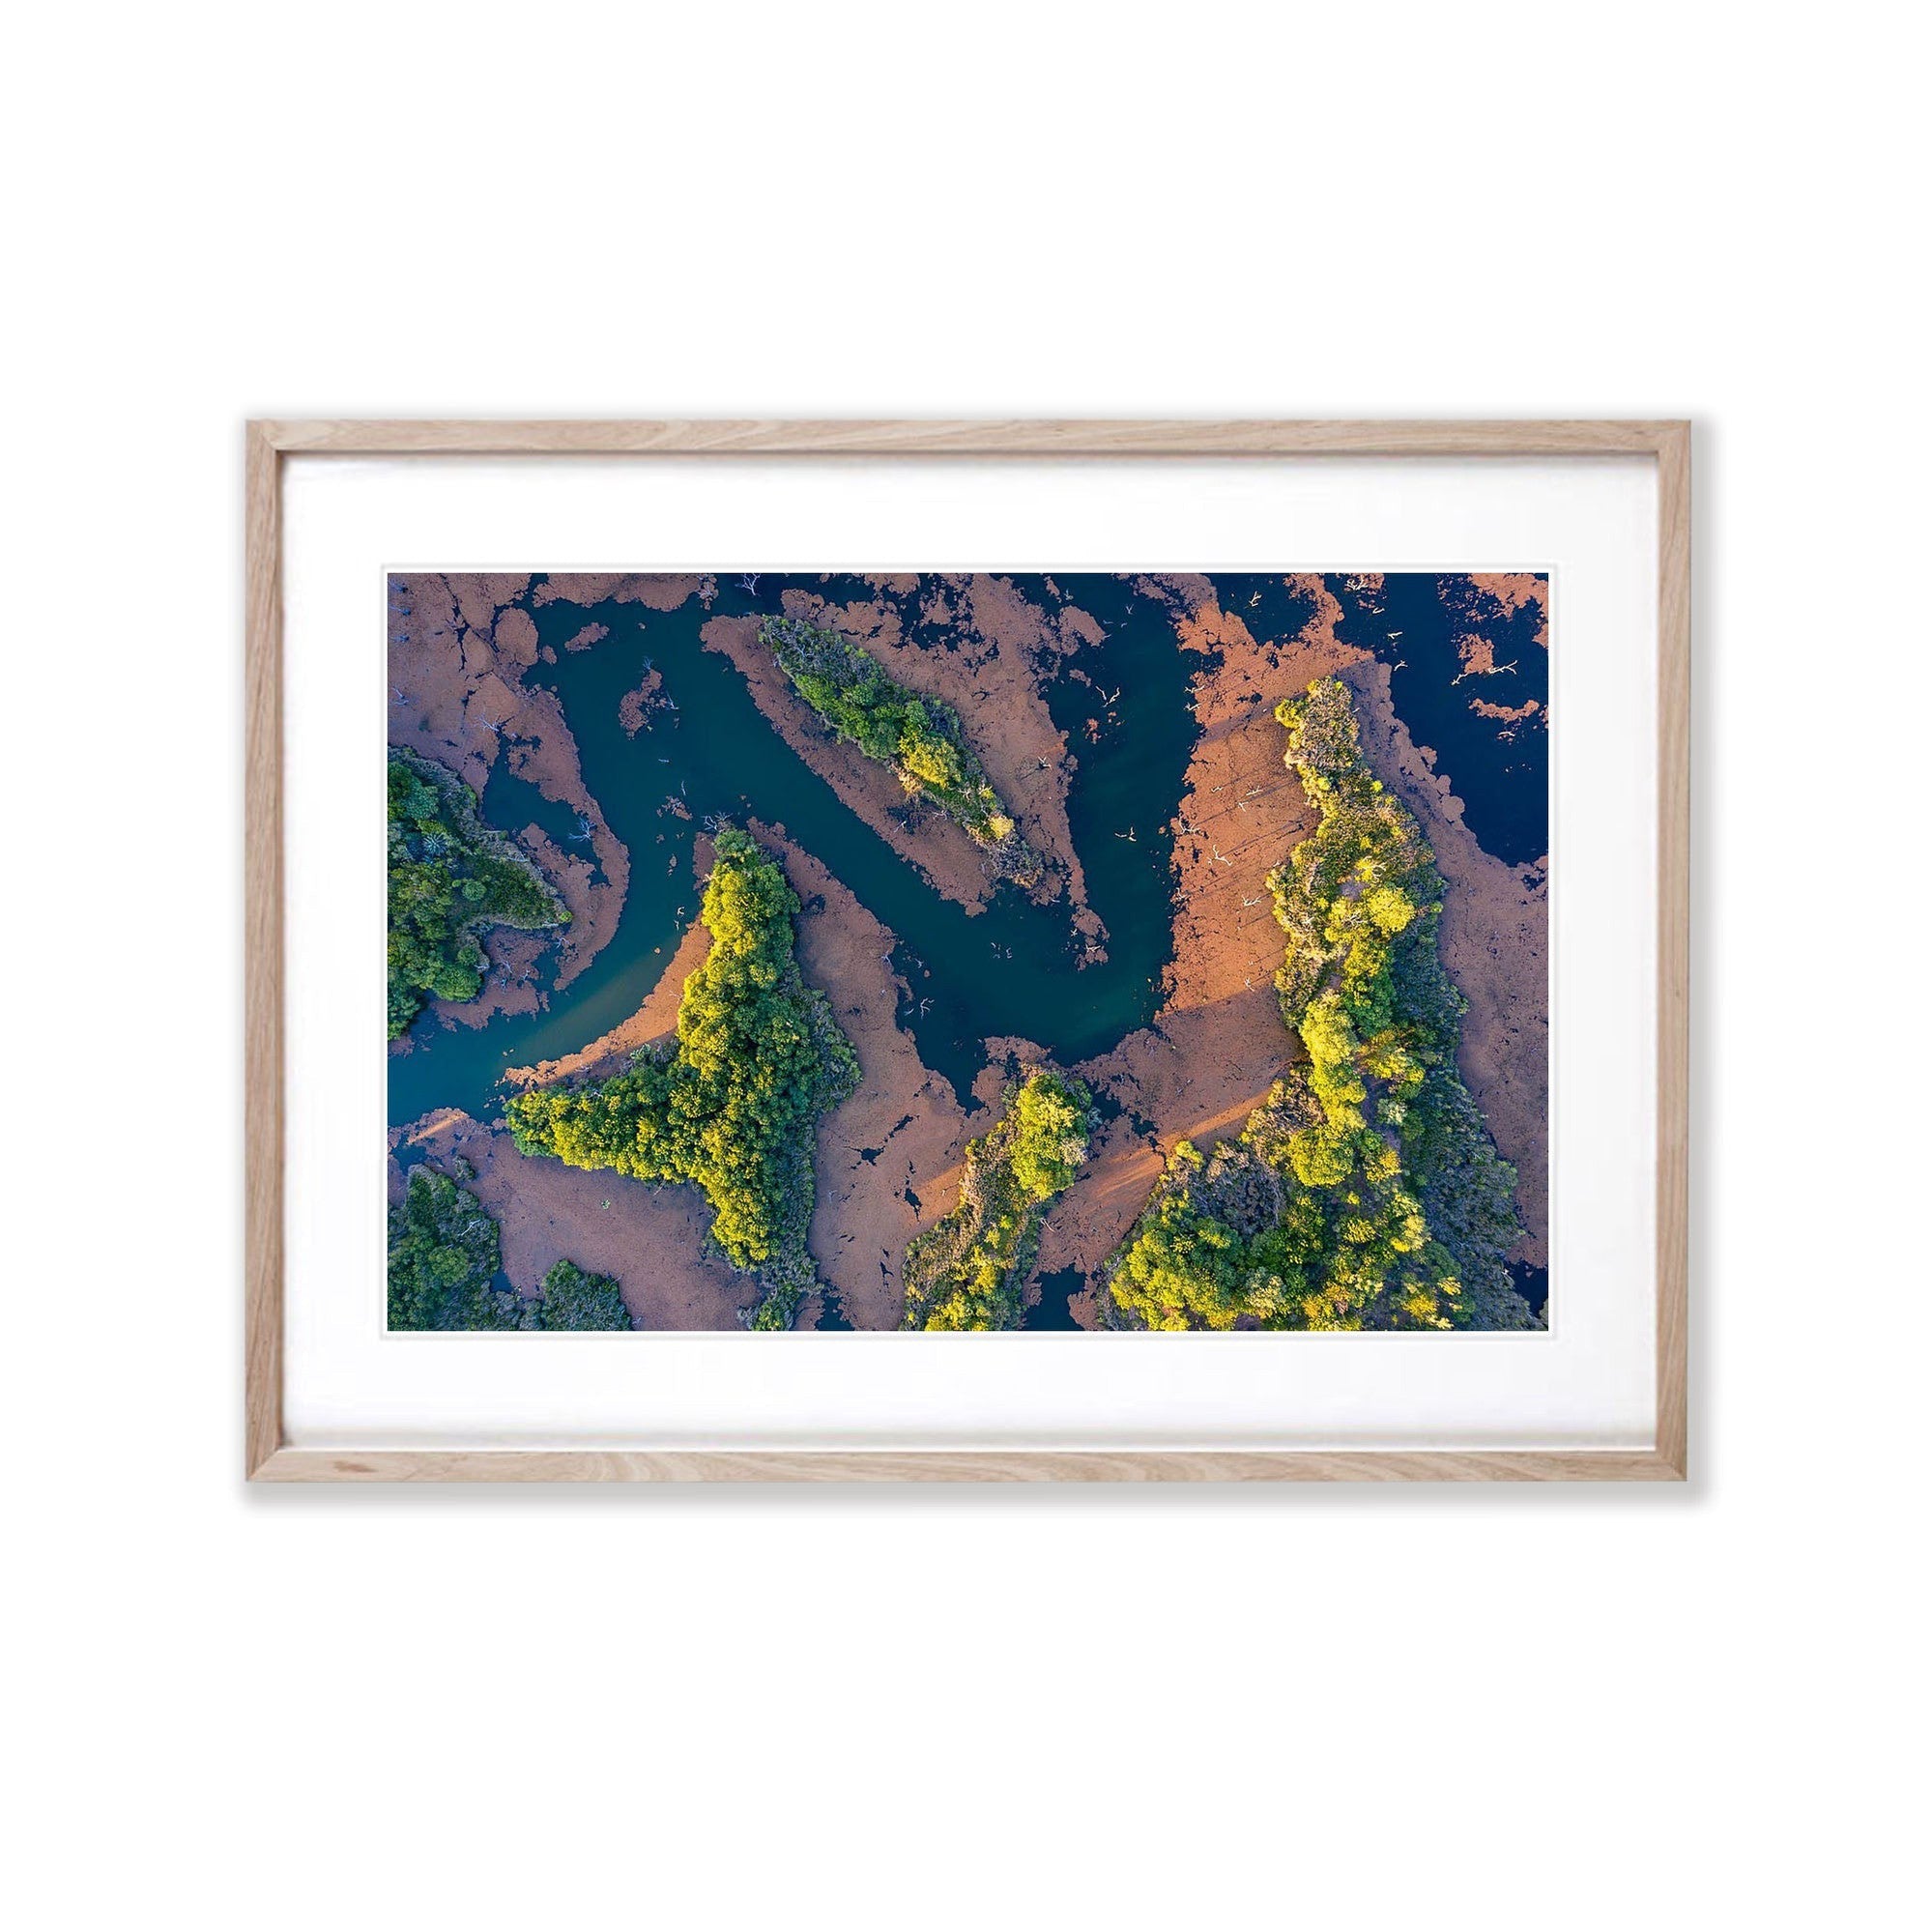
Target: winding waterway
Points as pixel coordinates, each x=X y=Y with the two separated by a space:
x=1009 y=969
x=1012 y=968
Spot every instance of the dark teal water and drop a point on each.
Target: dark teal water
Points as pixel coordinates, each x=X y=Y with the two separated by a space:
x=1500 y=769
x=1010 y=970
x=1532 y=1283
x=1056 y=1292
x=513 y=802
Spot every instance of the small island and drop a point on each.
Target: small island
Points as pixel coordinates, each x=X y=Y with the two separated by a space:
x=921 y=739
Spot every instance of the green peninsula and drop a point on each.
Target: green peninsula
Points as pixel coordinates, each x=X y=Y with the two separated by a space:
x=1365 y=1192
x=733 y=1106
x=966 y=1271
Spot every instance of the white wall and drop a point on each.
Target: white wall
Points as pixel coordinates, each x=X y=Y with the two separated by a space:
x=1330 y=1710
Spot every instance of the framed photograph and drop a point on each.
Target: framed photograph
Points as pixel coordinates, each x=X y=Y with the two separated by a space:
x=968 y=951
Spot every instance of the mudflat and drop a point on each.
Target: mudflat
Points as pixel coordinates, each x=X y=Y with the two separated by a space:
x=507 y=674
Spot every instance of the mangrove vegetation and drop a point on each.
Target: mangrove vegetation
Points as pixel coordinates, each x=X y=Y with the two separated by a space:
x=921 y=739
x=733 y=1106
x=446 y=1259
x=445 y=1255
x=1365 y=1193
x=448 y=873
x=572 y=1298
x=966 y=1272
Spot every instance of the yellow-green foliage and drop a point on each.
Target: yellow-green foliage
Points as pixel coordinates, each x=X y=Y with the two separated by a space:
x=734 y=1107
x=1365 y=1192
x=448 y=875
x=965 y=1272
x=921 y=739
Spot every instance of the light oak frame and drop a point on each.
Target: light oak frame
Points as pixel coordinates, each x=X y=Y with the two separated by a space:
x=269 y=1458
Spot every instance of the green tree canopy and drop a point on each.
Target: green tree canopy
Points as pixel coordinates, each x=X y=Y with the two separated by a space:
x=968 y=1271
x=733 y=1107
x=920 y=739
x=445 y=1257
x=1365 y=1193
x=445 y=1254
x=448 y=873
x=572 y=1299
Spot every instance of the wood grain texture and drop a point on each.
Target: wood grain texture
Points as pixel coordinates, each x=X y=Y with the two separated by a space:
x=1673 y=947
x=269 y=1460
x=263 y=991
x=950 y=437
x=1017 y=1465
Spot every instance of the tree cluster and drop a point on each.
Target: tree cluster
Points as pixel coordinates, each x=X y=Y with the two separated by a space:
x=966 y=1272
x=1365 y=1192
x=921 y=739
x=446 y=1252
x=448 y=873
x=574 y=1299
x=733 y=1106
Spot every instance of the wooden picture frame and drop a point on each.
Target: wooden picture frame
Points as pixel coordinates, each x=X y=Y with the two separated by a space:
x=268 y=1458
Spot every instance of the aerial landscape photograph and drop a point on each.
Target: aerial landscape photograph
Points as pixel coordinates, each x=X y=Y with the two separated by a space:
x=995 y=951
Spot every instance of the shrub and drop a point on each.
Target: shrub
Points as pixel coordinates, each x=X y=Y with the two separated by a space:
x=572 y=1299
